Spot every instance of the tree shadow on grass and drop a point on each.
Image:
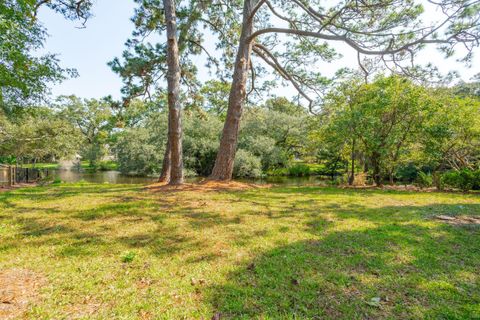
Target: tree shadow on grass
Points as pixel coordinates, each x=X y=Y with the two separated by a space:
x=60 y=192
x=418 y=271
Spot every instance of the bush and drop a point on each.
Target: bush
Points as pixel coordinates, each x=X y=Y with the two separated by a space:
x=107 y=166
x=299 y=170
x=57 y=180
x=424 y=180
x=407 y=173
x=464 y=179
x=138 y=153
x=247 y=165
x=278 y=172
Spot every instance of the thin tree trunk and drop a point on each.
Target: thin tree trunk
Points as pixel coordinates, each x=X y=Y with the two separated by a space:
x=223 y=168
x=391 y=178
x=165 y=176
x=351 y=180
x=173 y=80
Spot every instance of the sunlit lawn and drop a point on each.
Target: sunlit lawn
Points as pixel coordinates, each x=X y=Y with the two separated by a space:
x=120 y=252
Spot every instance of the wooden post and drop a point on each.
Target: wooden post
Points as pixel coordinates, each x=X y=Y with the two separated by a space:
x=9 y=176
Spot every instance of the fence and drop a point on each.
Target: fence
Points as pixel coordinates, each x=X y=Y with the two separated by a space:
x=11 y=175
x=6 y=175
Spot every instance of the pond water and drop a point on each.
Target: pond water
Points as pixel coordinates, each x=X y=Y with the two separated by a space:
x=116 y=177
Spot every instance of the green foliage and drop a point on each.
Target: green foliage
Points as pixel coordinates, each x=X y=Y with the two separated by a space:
x=128 y=257
x=392 y=123
x=269 y=136
x=57 y=180
x=451 y=136
x=246 y=165
x=464 y=179
x=299 y=170
x=424 y=180
x=140 y=149
x=94 y=121
x=273 y=134
x=201 y=139
x=25 y=74
x=37 y=133
x=215 y=97
x=407 y=173
x=138 y=152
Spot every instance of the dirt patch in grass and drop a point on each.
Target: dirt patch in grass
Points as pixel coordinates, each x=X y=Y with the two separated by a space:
x=84 y=310
x=459 y=220
x=18 y=288
x=204 y=186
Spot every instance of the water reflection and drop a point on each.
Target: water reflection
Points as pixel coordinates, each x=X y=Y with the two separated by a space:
x=116 y=177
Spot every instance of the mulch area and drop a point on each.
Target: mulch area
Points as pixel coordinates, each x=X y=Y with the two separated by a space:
x=18 y=289
x=205 y=186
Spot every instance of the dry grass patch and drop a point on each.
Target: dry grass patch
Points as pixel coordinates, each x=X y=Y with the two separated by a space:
x=18 y=289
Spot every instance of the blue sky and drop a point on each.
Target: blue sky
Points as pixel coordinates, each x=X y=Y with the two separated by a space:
x=89 y=49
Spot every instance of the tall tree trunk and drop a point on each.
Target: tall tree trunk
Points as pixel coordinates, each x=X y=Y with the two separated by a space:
x=223 y=168
x=165 y=176
x=351 y=179
x=174 y=109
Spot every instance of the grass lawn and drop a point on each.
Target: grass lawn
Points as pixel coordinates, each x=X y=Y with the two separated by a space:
x=102 y=165
x=42 y=165
x=121 y=252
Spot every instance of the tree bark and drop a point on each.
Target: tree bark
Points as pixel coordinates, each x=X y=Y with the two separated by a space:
x=223 y=168
x=391 y=177
x=173 y=81
x=166 y=168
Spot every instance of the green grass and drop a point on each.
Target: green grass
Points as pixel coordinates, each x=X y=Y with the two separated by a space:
x=101 y=165
x=119 y=252
x=42 y=165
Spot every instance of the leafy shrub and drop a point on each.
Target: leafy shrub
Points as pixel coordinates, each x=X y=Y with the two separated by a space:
x=57 y=180
x=107 y=166
x=200 y=141
x=476 y=181
x=128 y=257
x=318 y=169
x=299 y=170
x=247 y=165
x=407 y=173
x=464 y=179
x=137 y=153
x=278 y=172
x=424 y=180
